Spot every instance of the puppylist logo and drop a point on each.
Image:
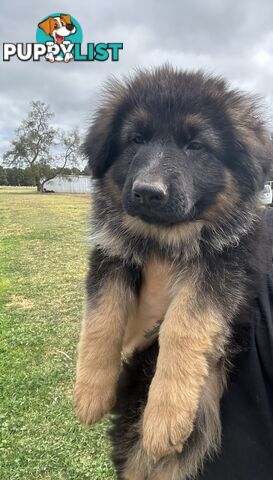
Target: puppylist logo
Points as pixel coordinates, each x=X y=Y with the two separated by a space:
x=59 y=39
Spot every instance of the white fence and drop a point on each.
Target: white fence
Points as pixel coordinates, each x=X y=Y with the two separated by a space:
x=69 y=184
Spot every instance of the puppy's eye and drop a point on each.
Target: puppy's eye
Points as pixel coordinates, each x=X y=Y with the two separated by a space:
x=138 y=139
x=56 y=25
x=195 y=146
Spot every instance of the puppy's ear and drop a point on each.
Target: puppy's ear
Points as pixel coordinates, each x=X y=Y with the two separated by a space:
x=101 y=144
x=66 y=18
x=264 y=158
x=258 y=155
x=253 y=138
x=46 y=25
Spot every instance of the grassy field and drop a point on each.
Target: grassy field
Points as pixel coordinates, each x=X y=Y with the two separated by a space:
x=43 y=252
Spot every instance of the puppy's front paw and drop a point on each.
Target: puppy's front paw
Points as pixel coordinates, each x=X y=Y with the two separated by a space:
x=93 y=400
x=68 y=57
x=50 y=57
x=165 y=429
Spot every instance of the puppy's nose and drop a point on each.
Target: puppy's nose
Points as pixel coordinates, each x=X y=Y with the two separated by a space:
x=149 y=194
x=69 y=26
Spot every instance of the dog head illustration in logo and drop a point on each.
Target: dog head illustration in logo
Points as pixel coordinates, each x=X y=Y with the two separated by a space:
x=58 y=28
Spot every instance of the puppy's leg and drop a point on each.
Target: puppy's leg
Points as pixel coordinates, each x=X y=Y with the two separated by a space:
x=110 y=297
x=67 y=53
x=191 y=334
x=50 y=56
x=206 y=437
x=130 y=460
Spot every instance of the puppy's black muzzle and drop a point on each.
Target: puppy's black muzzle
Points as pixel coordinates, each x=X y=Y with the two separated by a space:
x=158 y=187
x=150 y=201
x=149 y=194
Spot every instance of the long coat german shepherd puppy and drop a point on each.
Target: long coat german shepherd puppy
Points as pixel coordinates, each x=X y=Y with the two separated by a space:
x=179 y=159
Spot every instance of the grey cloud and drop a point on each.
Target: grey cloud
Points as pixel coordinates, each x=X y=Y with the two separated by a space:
x=229 y=38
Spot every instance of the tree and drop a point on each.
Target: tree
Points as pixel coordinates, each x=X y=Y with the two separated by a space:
x=27 y=177
x=3 y=176
x=12 y=176
x=86 y=170
x=45 y=150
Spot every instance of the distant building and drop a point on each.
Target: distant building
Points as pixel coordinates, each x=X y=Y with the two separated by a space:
x=266 y=194
x=69 y=184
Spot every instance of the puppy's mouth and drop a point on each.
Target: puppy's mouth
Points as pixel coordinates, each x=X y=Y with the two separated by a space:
x=157 y=216
x=59 y=39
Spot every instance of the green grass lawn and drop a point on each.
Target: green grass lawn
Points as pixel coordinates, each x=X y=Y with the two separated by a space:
x=43 y=260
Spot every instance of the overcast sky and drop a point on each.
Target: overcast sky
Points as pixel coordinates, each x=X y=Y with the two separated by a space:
x=226 y=37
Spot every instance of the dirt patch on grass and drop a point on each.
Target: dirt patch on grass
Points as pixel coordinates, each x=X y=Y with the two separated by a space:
x=20 y=303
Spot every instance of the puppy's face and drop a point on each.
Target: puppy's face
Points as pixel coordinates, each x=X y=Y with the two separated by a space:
x=58 y=27
x=178 y=147
x=169 y=169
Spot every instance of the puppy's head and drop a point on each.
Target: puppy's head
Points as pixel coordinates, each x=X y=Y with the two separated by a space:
x=58 y=27
x=178 y=147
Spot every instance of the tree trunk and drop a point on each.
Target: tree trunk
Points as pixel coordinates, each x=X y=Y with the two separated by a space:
x=39 y=185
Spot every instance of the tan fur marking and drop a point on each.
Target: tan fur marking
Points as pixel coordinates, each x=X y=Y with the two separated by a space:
x=206 y=130
x=186 y=340
x=136 y=466
x=98 y=365
x=194 y=120
x=169 y=470
x=142 y=115
x=225 y=200
x=154 y=299
x=172 y=235
x=112 y=187
x=132 y=474
x=139 y=116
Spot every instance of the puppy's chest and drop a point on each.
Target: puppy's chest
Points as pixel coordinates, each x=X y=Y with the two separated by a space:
x=152 y=304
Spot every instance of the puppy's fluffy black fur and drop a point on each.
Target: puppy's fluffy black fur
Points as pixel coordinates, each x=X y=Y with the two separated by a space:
x=212 y=153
